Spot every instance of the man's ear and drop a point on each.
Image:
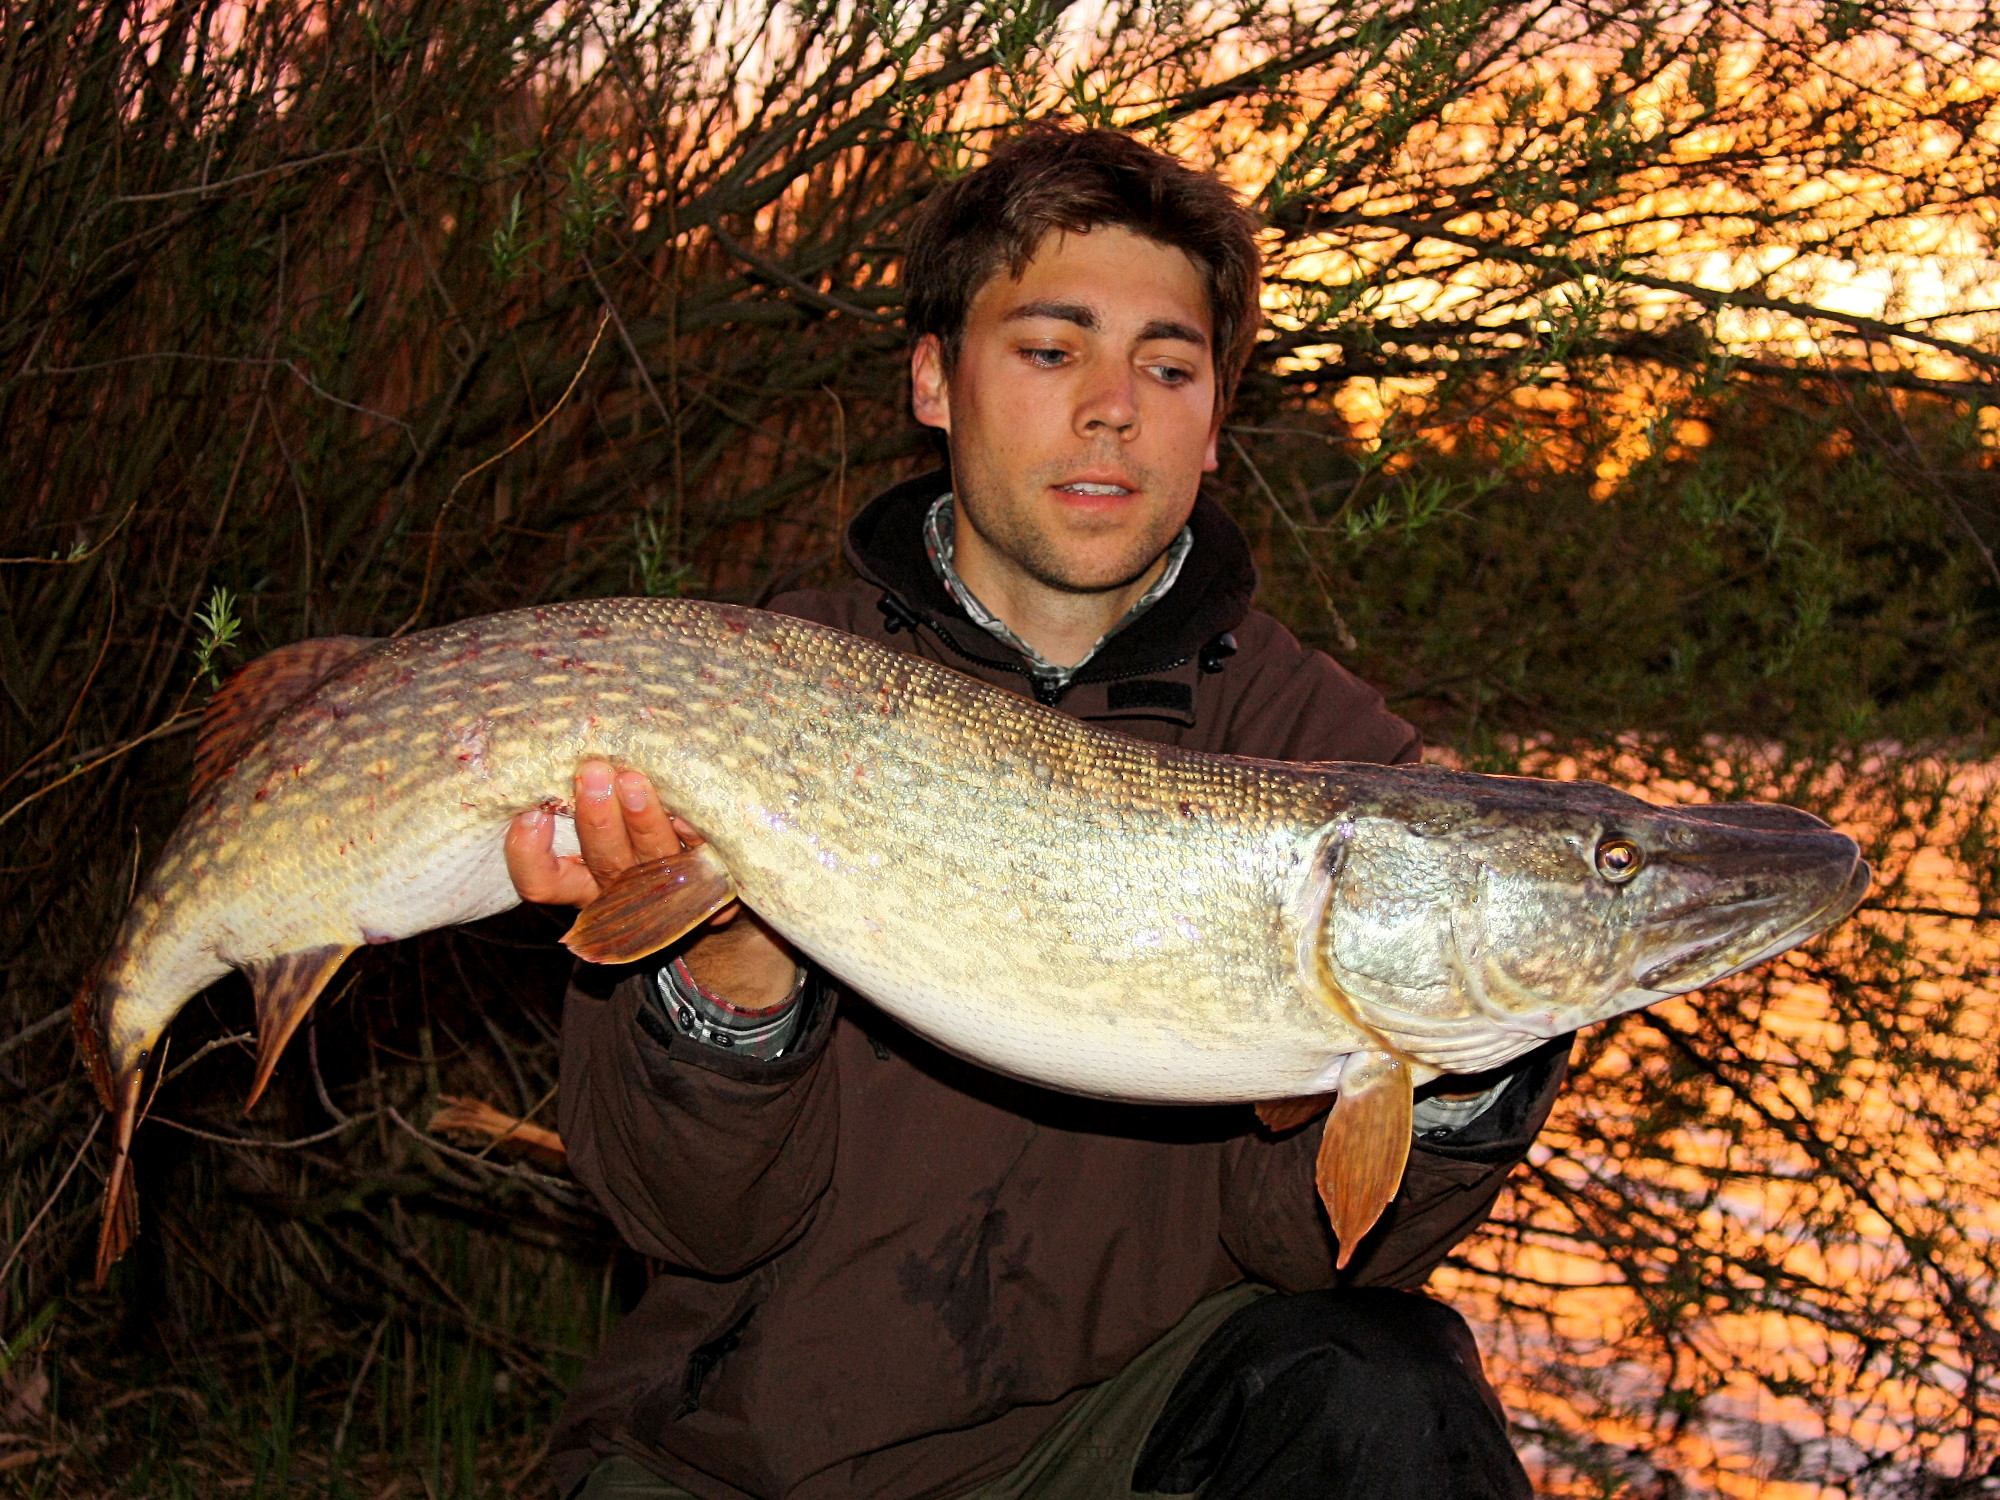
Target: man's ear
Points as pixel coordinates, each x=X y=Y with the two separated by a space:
x=1210 y=461
x=930 y=387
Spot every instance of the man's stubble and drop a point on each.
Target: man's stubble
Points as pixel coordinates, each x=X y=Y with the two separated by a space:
x=1016 y=533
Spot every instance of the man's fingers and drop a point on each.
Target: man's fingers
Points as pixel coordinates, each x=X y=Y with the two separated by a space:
x=600 y=823
x=652 y=831
x=538 y=873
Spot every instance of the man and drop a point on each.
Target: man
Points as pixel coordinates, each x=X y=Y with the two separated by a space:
x=888 y=1273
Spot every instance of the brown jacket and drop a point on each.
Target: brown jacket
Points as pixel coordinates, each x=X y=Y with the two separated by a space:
x=889 y=1271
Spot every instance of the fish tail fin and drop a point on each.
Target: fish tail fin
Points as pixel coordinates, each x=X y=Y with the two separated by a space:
x=120 y=1223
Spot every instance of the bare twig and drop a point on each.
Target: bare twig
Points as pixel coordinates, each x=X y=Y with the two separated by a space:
x=812 y=294
x=242 y=177
x=255 y=1143
x=178 y=721
x=28 y=1033
x=437 y=527
x=42 y=1213
x=214 y=1044
x=74 y=558
x=1341 y=632
x=288 y=365
x=354 y=1390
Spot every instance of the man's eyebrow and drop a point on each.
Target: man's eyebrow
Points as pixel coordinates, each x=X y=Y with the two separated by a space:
x=1167 y=328
x=1066 y=312
x=1085 y=317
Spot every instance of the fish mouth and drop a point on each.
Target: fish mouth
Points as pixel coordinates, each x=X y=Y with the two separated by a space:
x=1708 y=958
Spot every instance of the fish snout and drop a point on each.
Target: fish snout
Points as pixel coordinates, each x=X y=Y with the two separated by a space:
x=1776 y=878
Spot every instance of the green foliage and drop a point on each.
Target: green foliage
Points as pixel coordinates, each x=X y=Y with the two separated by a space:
x=1778 y=582
x=217 y=627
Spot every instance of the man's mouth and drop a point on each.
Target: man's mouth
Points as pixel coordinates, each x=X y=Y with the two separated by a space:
x=1088 y=487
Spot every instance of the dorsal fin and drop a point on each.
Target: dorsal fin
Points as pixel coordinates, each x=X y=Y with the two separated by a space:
x=244 y=706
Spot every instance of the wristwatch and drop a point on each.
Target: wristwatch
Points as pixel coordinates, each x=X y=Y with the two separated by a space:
x=699 y=1014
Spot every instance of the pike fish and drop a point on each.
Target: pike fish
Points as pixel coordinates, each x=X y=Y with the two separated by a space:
x=1073 y=907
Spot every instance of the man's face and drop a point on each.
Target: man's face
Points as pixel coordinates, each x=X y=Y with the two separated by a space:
x=1082 y=408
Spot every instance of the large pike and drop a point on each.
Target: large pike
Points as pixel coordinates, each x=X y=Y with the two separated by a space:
x=1127 y=920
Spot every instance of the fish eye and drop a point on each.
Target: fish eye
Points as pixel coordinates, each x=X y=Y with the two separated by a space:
x=1619 y=859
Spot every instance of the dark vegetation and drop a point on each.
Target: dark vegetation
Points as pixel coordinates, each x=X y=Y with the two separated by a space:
x=345 y=318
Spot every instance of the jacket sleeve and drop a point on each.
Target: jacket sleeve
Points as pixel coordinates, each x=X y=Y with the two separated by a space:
x=1275 y=1229
x=710 y=1162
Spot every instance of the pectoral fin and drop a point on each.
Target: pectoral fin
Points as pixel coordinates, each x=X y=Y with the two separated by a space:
x=650 y=906
x=1365 y=1146
x=286 y=987
x=1280 y=1115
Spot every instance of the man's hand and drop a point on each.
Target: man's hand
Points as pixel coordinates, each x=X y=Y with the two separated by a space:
x=620 y=823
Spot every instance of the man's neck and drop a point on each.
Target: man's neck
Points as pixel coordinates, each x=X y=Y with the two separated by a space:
x=1062 y=626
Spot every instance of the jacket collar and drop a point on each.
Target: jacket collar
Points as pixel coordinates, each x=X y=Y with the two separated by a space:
x=885 y=545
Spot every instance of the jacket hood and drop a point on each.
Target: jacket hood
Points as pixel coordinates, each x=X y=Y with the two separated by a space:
x=885 y=545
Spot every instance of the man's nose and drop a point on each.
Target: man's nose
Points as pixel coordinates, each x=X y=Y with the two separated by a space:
x=1110 y=402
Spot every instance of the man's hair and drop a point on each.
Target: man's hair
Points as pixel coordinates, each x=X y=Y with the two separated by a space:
x=1051 y=177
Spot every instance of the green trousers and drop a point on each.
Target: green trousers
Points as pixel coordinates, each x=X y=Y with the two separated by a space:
x=1088 y=1455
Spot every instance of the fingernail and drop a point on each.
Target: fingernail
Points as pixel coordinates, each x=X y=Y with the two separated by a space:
x=534 y=818
x=594 y=780
x=632 y=791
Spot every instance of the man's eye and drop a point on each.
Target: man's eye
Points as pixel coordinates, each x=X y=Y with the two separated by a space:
x=1046 y=359
x=1171 y=374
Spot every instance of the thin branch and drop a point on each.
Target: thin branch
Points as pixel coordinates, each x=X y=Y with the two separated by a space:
x=42 y=1213
x=1570 y=268
x=805 y=289
x=437 y=527
x=178 y=721
x=220 y=359
x=78 y=557
x=230 y=182
x=259 y=1144
x=28 y=1033
x=1341 y=632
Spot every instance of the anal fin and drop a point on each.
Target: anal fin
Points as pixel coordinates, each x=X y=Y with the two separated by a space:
x=1365 y=1146
x=286 y=987
x=650 y=906
x=1280 y=1115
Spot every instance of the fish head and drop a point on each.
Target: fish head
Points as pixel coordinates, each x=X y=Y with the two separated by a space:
x=1467 y=918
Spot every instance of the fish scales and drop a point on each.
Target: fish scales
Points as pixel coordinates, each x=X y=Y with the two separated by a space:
x=923 y=837
x=1083 y=910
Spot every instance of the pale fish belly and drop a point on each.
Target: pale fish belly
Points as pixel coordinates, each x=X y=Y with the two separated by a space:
x=1112 y=967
